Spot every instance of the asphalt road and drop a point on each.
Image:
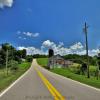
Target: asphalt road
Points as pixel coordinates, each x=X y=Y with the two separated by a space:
x=40 y=84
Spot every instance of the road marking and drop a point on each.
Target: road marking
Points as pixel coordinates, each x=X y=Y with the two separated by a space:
x=51 y=88
x=77 y=82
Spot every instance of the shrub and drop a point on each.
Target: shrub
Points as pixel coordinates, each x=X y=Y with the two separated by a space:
x=14 y=65
x=29 y=58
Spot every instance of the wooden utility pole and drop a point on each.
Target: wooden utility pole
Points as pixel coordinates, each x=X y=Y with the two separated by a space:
x=86 y=37
x=12 y=58
x=7 y=62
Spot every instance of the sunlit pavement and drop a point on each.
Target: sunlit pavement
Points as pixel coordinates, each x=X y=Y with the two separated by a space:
x=40 y=84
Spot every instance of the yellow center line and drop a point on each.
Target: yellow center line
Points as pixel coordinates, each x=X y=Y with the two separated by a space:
x=51 y=88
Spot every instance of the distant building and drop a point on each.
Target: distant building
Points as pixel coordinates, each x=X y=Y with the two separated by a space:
x=57 y=61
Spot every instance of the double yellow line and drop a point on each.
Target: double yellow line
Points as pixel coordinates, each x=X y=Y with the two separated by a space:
x=51 y=88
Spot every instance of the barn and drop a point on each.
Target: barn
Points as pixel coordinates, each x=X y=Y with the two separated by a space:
x=58 y=61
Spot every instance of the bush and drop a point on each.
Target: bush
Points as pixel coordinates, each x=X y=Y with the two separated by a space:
x=92 y=70
x=29 y=58
x=14 y=65
x=76 y=68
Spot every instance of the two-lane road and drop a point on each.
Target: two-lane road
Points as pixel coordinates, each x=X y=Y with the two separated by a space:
x=40 y=84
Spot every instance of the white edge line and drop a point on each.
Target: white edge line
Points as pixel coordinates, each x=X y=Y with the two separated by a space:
x=76 y=81
x=63 y=77
x=16 y=81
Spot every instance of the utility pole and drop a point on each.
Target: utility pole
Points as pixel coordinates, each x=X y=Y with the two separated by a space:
x=86 y=37
x=7 y=62
x=12 y=58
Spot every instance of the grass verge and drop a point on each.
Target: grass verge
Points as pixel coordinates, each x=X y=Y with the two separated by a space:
x=6 y=80
x=81 y=78
x=67 y=73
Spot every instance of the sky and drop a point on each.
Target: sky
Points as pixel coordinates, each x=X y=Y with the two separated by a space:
x=40 y=24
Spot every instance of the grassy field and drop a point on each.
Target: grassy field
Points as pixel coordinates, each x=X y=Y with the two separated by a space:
x=42 y=61
x=12 y=76
x=69 y=73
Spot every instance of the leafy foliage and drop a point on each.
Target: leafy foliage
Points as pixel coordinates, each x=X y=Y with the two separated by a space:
x=13 y=55
x=39 y=56
x=81 y=59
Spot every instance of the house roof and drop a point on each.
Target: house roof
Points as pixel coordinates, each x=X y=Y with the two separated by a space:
x=56 y=57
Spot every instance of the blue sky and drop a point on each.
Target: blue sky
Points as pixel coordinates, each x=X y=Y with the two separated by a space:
x=54 y=20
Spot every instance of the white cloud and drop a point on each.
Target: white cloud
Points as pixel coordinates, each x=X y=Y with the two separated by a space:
x=7 y=3
x=23 y=38
x=77 y=48
x=36 y=34
x=29 y=34
x=24 y=35
x=58 y=49
x=31 y=50
x=49 y=44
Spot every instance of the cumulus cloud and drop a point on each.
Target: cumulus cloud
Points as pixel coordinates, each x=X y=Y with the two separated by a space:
x=59 y=48
x=77 y=46
x=31 y=50
x=49 y=44
x=7 y=3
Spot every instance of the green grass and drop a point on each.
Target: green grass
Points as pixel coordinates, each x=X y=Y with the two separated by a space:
x=42 y=61
x=69 y=73
x=81 y=78
x=12 y=76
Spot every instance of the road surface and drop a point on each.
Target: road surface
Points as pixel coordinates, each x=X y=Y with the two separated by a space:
x=40 y=84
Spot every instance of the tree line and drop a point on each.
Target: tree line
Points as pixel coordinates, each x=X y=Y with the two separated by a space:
x=81 y=58
x=8 y=54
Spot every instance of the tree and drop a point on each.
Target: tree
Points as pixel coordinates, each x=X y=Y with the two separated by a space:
x=21 y=53
x=24 y=53
x=29 y=58
x=6 y=54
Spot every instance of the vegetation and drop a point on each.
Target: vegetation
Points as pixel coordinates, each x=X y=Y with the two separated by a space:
x=8 y=55
x=13 y=63
x=43 y=62
x=81 y=58
x=75 y=72
x=39 y=56
x=6 y=80
x=81 y=78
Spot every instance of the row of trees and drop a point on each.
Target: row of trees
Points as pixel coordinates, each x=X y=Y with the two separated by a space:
x=81 y=59
x=9 y=56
